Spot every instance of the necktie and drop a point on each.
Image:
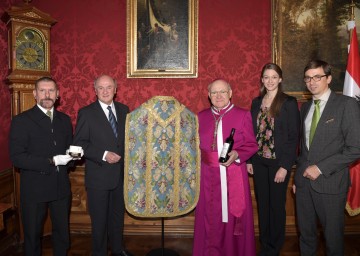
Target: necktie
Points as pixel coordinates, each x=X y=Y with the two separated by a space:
x=315 y=120
x=112 y=121
x=49 y=114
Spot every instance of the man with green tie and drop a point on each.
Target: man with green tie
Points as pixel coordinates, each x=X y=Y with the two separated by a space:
x=330 y=142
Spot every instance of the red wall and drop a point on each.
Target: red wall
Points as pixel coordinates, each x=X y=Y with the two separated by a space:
x=89 y=39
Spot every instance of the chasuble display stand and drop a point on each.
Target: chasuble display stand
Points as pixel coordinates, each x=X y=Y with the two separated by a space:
x=162 y=161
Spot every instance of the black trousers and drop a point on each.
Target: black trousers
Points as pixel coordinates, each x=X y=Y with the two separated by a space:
x=106 y=209
x=271 y=200
x=33 y=215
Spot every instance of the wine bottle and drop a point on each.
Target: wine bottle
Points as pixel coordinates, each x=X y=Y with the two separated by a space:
x=229 y=142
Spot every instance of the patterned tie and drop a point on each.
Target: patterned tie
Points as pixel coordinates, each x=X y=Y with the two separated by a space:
x=49 y=114
x=315 y=120
x=112 y=121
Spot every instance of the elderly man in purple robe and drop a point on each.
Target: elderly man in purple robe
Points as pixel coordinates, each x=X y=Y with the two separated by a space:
x=224 y=217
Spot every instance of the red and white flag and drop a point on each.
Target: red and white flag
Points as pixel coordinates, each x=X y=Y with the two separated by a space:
x=352 y=89
x=352 y=76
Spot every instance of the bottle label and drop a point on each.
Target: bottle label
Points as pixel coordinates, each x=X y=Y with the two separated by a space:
x=224 y=150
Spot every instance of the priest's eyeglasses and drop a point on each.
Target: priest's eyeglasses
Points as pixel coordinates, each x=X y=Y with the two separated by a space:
x=222 y=92
x=316 y=78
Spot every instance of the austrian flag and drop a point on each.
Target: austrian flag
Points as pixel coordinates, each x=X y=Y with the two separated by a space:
x=352 y=76
x=352 y=89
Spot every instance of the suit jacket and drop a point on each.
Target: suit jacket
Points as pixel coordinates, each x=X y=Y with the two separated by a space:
x=94 y=134
x=286 y=130
x=335 y=145
x=33 y=140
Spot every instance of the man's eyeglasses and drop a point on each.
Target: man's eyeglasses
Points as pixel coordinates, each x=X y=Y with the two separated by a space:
x=316 y=78
x=214 y=93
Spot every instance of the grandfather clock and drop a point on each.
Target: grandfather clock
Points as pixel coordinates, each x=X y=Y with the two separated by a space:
x=29 y=52
x=29 y=59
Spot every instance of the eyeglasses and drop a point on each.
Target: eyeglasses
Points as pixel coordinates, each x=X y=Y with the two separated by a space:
x=214 y=93
x=316 y=78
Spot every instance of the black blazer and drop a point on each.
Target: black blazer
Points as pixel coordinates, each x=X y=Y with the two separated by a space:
x=94 y=134
x=286 y=134
x=33 y=140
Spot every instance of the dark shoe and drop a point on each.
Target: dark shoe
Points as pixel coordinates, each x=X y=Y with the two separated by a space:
x=123 y=253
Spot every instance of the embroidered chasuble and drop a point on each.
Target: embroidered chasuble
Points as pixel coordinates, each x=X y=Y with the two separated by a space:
x=162 y=159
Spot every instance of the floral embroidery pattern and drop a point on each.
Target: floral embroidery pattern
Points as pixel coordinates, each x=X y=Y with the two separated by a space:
x=265 y=134
x=162 y=159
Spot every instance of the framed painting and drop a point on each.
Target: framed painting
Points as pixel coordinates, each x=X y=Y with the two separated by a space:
x=303 y=30
x=162 y=38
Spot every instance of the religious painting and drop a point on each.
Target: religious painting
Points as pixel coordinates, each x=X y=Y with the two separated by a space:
x=162 y=38
x=303 y=30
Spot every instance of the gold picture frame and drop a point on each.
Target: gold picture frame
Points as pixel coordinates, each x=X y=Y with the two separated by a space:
x=162 y=39
x=303 y=30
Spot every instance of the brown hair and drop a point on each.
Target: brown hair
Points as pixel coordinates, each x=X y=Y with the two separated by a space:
x=313 y=64
x=45 y=79
x=280 y=96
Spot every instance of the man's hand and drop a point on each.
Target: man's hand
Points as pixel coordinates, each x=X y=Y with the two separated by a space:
x=312 y=172
x=62 y=159
x=233 y=155
x=112 y=157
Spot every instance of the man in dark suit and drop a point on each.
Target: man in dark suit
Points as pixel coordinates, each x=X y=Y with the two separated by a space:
x=327 y=149
x=100 y=130
x=38 y=143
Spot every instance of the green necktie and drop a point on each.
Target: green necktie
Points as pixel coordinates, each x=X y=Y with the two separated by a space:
x=315 y=120
x=49 y=114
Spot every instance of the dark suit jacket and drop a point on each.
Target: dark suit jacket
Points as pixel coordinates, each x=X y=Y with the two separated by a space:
x=286 y=134
x=95 y=135
x=335 y=145
x=33 y=140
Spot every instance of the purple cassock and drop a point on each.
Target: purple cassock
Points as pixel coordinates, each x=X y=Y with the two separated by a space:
x=223 y=231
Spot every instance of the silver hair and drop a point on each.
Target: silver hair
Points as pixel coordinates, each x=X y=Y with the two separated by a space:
x=96 y=80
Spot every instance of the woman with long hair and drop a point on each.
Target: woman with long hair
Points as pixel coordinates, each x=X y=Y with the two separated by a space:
x=276 y=120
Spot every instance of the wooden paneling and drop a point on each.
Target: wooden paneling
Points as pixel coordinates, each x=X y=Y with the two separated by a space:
x=79 y=217
x=183 y=225
x=8 y=217
x=7 y=186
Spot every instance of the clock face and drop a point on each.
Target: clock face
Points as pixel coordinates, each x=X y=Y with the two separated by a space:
x=30 y=50
x=30 y=55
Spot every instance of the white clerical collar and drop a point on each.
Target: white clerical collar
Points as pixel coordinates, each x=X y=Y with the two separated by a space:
x=217 y=111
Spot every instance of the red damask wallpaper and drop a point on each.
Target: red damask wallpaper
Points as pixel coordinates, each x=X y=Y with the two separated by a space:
x=90 y=39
